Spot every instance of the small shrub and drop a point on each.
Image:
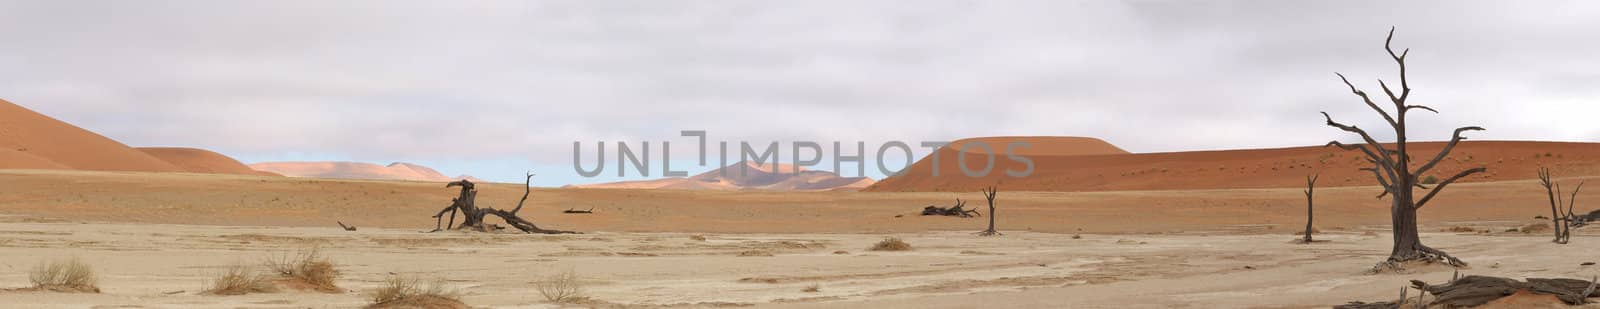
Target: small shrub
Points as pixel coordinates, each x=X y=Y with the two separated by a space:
x=1430 y=180
x=561 y=288
x=409 y=292
x=240 y=280
x=891 y=244
x=72 y=275
x=813 y=288
x=697 y=237
x=307 y=270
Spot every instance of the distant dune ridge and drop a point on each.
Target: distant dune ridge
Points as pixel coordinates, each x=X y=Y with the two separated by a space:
x=29 y=140
x=357 y=170
x=748 y=176
x=196 y=160
x=1086 y=164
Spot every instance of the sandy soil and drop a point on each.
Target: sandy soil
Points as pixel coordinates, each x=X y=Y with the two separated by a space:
x=165 y=266
x=276 y=201
x=156 y=237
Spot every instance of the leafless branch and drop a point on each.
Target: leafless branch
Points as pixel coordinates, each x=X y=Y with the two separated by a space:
x=1447 y=182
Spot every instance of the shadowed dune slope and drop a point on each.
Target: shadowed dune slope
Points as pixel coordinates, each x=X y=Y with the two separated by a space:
x=35 y=141
x=1230 y=169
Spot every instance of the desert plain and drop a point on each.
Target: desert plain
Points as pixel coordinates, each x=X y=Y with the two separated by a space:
x=156 y=238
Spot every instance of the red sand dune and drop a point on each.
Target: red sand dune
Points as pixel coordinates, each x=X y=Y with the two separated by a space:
x=195 y=160
x=1059 y=166
x=748 y=176
x=29 y=140
x=357 y=170
x=35 y=141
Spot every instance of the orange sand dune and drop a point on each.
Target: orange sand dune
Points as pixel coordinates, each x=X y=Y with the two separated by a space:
x=356 y=170
x=1233 y=169
x=36 y=141
x=748 y=176
x=195 y=160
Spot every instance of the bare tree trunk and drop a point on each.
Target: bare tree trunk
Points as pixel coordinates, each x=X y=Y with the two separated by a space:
x=989 y=194
x=1561 y=221
x=1311 y=186
x=1392 y=167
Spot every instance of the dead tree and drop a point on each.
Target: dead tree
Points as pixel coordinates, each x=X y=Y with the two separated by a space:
x=351 y=228
x=952 y=211
x=1392 y=168
x=1311 y=186
x=988 y=194
x=1561 y=219
x=472 y=215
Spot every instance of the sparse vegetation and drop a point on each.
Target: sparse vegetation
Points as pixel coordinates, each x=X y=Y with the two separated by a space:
x=306 y=270
x=891 y=244
x=813 y=288
x=697 y=237
x=1430 y=180
x=239 y=280
x=410 y=292
x=71 y=275
x=562 y=288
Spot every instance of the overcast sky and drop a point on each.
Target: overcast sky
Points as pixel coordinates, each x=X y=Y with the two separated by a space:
x=494 y=88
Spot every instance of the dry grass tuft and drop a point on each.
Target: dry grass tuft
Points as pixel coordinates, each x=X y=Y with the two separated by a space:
x=240 y=280
x=1535 y=228
x=755 y=253
x=561 y=288
x=307 y=270
x=698 y=237
x=72 y=276
x=813 y=288
x=409 y=292
x=891 y=244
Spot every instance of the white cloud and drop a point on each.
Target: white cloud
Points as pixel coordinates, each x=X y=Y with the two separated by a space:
x=509 y=81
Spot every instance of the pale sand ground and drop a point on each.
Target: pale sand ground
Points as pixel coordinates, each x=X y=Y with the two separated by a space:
x=164 y=266
x=150 y=234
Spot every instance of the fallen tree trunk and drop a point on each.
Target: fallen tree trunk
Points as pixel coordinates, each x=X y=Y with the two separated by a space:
x=472 y=215
x=1471 y=291
x=952 y=211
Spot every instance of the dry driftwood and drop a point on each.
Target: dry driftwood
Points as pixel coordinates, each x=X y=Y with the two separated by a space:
x=1477 y=290
x=346 y=227
x=576 y=211
x=472 y=215
x=953 y=211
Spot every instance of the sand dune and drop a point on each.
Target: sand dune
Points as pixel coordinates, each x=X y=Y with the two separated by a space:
x=195 y=160
x=357 y=170
x=748 y=176
x=1061 y=168
x=36 y=141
